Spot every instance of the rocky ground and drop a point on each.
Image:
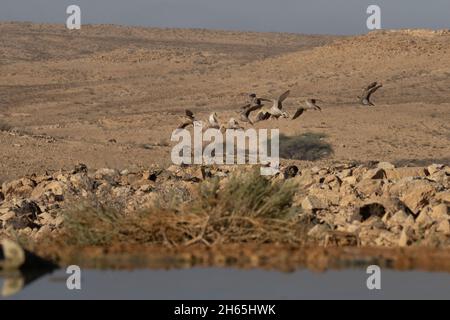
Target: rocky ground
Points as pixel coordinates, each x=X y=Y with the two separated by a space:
x=376 y=205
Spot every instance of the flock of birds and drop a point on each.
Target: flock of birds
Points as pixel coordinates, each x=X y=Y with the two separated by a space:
x=273 y=110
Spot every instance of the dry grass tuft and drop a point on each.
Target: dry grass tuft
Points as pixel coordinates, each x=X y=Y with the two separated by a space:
x=247 y=208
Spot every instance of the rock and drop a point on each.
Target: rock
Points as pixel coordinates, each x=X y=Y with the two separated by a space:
x=398 y=219
x=424 y=220
x=5 y=217
x=443 y=196
x=106 y=174
x=325 y=196
x=312 y=203
x=375 y=174
x=444 y=227
x=352 y=180
x=369 y=187
x=21 y=188
x=440 y=212
x=305 y=180
x=48 y=189
x=345 y=173
x=400 y=173
x=13 y=256
x=26 y=215
x=341 y=239
x=374 y=222
x=435 y=168
x=417 y=195
x=385 y=165
x=386 y=239
x=405 y=238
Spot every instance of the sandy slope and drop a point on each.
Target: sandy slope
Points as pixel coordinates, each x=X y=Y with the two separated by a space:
x=131 y=84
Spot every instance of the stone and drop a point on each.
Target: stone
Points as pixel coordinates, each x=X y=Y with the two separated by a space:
x=444 y=227
x=440 y=212
x=46 y=189
x=405 y=238
x=375 y=174
x=352 y=180
x=305 y=180
x=13 y=256
x=369 y=187
x=424 y=220
x=386 y=239
x=398 y=219
x=7 y=216
x=21 y=188
x=417 y=195
x=105 y=173
x=327 y=197
x=435 y=168
x=443 y=196
x=312 y=203
x=400 y=173
x=385 y=165
x=341 y=239
x=374 y=222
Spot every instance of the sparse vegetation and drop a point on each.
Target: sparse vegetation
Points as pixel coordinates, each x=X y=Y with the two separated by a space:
x=247 y=208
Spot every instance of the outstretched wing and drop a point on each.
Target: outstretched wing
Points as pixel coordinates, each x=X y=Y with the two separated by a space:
x=284 y=96
x=298 y=113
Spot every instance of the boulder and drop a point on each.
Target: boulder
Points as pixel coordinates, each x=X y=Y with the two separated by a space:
x=417 y=195
x=375 y=174
x=385 y=166
x=400 y=173
x=20 y=189
x=444 y=227
x=311 y=203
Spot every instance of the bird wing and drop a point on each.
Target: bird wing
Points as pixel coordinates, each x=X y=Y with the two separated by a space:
x=298 y=113
x=372 y=85
x=189 y=114
x=284 y=96
x=372 y=91
x=246 y=106
x=184 y=125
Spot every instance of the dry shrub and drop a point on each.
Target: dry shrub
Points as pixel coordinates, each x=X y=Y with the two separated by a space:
x=247 y=208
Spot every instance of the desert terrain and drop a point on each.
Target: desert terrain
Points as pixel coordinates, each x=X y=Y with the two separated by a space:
x=109 y=97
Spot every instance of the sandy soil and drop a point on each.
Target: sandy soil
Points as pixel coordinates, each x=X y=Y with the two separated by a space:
x=66 y=94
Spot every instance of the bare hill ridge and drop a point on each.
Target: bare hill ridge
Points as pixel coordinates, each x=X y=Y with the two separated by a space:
x=65 y=95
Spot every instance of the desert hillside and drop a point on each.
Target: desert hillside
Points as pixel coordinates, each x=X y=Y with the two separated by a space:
x=110 y=96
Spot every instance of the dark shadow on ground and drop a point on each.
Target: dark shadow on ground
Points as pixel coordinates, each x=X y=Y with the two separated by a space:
x=421 y=162
x=308 y=146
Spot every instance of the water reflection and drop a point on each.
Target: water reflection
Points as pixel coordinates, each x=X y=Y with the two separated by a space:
x=216 y=283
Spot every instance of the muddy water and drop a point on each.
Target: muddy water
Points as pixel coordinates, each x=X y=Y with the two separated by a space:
x=217 y=283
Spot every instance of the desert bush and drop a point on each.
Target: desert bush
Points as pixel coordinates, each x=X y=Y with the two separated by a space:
x=246 y=208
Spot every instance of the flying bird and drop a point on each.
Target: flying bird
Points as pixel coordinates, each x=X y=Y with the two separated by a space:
x=189 y=119
x=213 y=121
x=367 y=93
x=311 y=104
x=234 y=125
x=276 y=110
